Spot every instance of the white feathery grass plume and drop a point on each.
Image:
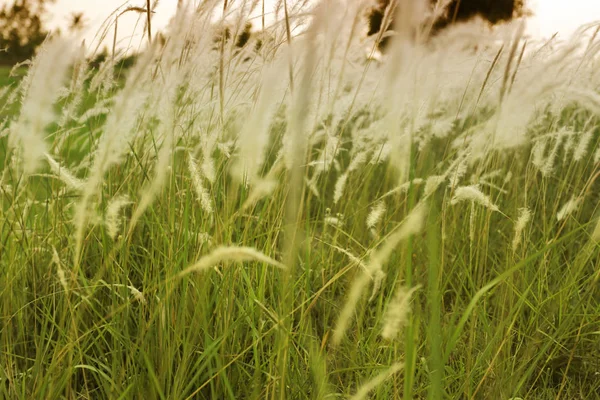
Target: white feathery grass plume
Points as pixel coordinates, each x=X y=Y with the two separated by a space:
x=397 y=312
x=254 y=137
x=473 y=194
x=352 y=258
x=358 y=286
x=568 y=208
x=376 y=213
x=46 y=78
x=472 y=212
x=226 y=148
x=59 y=270
x=442 y=127
x=161 y=170
x=458 y=172
x=403 y=188
x=311 y=184
x=522 y=221
x=340 y=185
x=103 y=80
x=432 y=183
x=405 y=95
x=537 y=153
x=3 y=92
x=4 y=132
x=263 y=187
x=112 y=219
x=492 y=175
x=339 y=38
x=364 y=390
x=412 y=224
x=358 y=159
x=568 y=145
x=203 y=237
x=96 y=111
x=232 y=254
x=295 y=143
x=15 y=161
x=120 y=123
x=582 y=145
x=548 y=165
x=597 y=156
x=63 y=93
x=493 y=186
x=15 y=68
x=596 y=232
x=165 y=96
x=266 y=185
x=327 y=156
x=13 y=96
x=334 y=221
x=64 y=174
x=201 y=192
x=383 y=154
x=378 y=277
x=208 y=166
x=113 y=144
x=81 y=72
x=510 y=126
x=135 y=293
x=26 y=80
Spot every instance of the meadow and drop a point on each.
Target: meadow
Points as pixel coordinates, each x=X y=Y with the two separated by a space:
x=300 y=219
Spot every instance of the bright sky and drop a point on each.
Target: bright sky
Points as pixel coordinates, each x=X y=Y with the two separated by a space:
x=130 y=25
x=96 y=12
x=563 y=16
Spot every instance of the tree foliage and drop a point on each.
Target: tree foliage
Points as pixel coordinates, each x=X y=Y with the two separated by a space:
x=21 y=29
x=493 y=11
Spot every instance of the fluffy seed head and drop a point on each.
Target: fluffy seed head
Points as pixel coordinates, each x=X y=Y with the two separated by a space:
x=376 y=213
x=522 y=221
x=112 y=219
x=42 y=88
x=64 y=174
x=201 y=192
x=568 y=208
x=397 y=312
x=232 y=253
x=473 y=194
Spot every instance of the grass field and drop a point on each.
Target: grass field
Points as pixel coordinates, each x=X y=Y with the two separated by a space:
x=297 y=221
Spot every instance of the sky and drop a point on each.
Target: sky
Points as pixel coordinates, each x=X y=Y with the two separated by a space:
x=97 y=11
x=562 y=16
x=551 y=16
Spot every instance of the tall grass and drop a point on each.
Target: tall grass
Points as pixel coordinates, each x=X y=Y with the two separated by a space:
x=294 y=219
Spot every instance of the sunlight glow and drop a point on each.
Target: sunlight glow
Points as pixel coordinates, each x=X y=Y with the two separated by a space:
x=551 y=16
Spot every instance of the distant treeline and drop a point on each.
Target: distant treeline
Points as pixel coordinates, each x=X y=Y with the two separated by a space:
x=494 y=11
x=22 y=27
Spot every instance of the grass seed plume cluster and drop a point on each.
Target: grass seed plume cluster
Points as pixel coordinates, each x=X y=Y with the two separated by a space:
x=297 y=218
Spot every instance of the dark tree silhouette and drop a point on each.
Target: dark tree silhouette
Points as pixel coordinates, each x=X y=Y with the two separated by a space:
x=21 y=29
x=76 y=21
x=493 y=11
